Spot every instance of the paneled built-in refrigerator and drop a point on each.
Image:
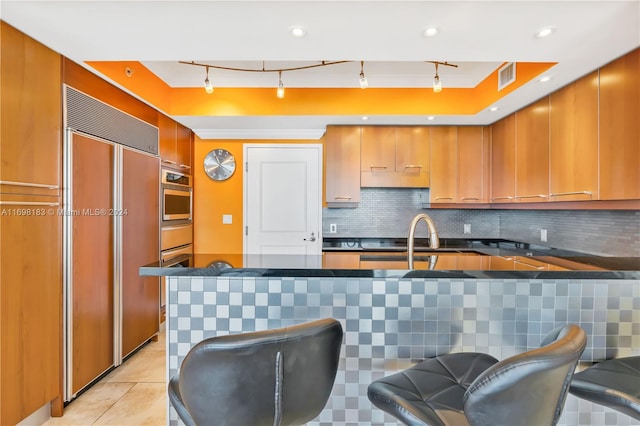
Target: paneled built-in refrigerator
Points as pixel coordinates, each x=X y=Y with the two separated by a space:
x=111 y=228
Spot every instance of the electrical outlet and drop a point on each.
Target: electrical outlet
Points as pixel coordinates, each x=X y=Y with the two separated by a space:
x=543 y=235
x=467 y=228
x=333 y=228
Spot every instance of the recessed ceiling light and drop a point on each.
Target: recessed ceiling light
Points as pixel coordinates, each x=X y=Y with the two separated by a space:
x=365 y=118
x=544 y=32
x=431 y=31
x=297 y=32
x=431 y=117
x=544 y=79
x=494 y=109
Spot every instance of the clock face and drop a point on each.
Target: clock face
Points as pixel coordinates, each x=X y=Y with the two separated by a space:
x=219 y=164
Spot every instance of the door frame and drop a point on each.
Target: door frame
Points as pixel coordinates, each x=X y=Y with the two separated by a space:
x=245 y=149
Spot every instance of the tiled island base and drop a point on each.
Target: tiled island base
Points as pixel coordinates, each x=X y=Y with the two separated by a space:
x=392 y=323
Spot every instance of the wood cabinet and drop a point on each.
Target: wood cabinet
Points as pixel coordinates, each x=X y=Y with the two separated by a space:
x=175 y=144
x=620 y=128
x=31 y=237
x=340 y=260
x=473 y=165
x=503 y=160
x=396 y=157
x=459 y=165
x=444 y=163
x=532 y=152
x=573 y=144
x=342 y=174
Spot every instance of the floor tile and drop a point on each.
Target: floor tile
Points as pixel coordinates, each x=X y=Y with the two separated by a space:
x=144 y=404
x=92 y=404
x=147 y=366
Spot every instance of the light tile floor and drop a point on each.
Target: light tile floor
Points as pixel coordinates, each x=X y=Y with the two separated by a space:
x=135 y=393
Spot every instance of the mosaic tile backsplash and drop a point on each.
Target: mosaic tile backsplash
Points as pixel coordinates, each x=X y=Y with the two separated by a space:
x=386 y=213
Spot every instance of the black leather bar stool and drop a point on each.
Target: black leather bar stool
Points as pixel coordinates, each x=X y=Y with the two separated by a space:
x=614 y=383
x=476 y=389
x=264 y=378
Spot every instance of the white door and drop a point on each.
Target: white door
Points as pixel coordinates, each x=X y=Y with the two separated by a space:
x=283 y=199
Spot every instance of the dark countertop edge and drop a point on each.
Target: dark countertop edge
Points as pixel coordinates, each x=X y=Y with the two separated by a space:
x=151 y=270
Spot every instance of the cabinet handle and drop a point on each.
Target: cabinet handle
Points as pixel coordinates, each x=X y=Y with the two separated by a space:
x=30 y=185
x=28 y=203
x=531 y=196
x=413 y=166
x=561 y=194
x=184 y=166
x=502 y=198
x=342 y=197
x=529 y=265
x=470 y=198
x=169 y=162
x=444 y=198
x=377 y=167
x=505 y=258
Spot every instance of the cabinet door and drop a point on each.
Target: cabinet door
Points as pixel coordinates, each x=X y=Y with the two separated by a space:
x=412 y=157
x=620 y=128
x=377 y=156
x=443 y=169
x=31 y=304
x=342 y=184
x=473 y=165
x=532 y=152
x=184 y=142
x=503 y=160
x=140 y=246
x=573 y=146
x=168 y=142
x=31 y=105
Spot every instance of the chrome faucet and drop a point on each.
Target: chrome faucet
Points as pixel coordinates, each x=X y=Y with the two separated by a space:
x=434 y=241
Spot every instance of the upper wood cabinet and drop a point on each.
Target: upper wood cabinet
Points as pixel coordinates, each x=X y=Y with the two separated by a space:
x=573 y=144
x=620 y=128
x=459 y=165
x=473 y=165
x=31 y=108
x=503 y=160
x=342 y=177
x=394 y=157
x=532 y=152
x=175 y=144
x=444 y=164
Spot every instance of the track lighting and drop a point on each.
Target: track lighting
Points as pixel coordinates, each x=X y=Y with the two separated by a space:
x=363 y=79
x=437 y=85
x=208 y=87
x=280 y=91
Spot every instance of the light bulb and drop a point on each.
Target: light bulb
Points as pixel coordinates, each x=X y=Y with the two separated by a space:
x=363 y=81
x=437 y=85
x=208 y=87
x=280 y=90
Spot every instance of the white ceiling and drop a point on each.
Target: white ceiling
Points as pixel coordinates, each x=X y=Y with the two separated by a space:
x=387 y=35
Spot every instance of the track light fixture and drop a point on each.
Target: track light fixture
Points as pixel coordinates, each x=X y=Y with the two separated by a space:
x=280 y=90
x=437 y=84
x=363 y=79
x=208 y=87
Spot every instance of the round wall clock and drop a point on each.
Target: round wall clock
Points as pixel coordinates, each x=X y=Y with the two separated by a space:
x=219 y=164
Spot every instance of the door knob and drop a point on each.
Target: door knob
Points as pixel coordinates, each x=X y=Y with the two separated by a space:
x=312 y=238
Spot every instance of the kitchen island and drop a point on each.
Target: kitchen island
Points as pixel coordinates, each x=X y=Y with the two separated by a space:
x=395 y=317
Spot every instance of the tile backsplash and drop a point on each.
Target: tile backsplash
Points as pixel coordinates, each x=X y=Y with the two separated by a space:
x=386 y=213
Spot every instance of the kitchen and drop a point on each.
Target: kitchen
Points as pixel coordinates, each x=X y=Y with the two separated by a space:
x=602 y=232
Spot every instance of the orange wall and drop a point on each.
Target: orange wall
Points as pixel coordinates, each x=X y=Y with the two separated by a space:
x=213 y=199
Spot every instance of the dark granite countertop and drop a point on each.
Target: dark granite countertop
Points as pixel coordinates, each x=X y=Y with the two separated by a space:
x=383 y=263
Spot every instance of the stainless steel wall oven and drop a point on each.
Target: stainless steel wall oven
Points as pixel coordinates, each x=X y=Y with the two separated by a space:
x=176 y=197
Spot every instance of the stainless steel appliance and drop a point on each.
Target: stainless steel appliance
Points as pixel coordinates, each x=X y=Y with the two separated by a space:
x=176 y=197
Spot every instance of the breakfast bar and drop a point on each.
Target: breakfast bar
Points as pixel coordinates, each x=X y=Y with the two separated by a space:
x=395 y=317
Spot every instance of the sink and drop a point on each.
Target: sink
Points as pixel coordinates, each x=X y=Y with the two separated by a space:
x=424 y=257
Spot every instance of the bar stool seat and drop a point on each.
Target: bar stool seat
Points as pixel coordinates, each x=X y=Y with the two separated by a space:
x=614 y=383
